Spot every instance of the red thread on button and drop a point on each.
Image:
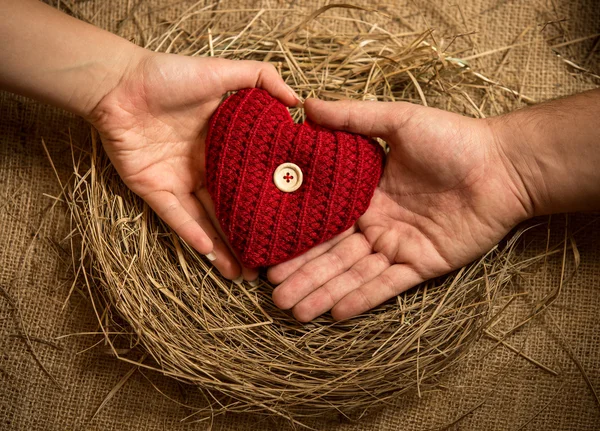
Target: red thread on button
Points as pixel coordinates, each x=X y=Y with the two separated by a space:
x=288 y=177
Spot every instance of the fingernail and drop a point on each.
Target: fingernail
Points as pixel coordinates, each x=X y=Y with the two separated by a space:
x=211 y=256
x=239 y=280
x=254 y=283
x=293 y=93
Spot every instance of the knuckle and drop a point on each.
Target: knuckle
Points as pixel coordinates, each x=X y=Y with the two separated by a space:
x=178 y=228
x=301 y=273
x=356 y=276
x=387 y=283
x=304 y=276
x=335 y=261
x=266 y=72
x=364 y=299
x=268 y=67
x=382 y=259
x=365 y=242
x=400 y=117
x=171 y=208
x=331 y=300
x=347 y=118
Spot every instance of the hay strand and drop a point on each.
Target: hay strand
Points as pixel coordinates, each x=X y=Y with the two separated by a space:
x=153 y=292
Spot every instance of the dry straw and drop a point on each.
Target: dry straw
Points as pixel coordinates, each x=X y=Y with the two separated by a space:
x=151 y=291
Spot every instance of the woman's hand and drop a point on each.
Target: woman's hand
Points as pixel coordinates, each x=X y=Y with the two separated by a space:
x=153 y=126
x=151 y=109
x=447 y=195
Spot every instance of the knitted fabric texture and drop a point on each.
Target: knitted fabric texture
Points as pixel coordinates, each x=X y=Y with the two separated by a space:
x=250 y=135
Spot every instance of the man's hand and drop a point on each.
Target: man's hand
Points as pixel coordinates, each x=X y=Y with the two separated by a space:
x=153 y=126
x=447 y=195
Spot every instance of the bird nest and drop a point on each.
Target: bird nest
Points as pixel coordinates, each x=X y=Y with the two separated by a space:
x=151 y=291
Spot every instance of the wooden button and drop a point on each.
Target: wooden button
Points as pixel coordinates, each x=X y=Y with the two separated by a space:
x=287 y=177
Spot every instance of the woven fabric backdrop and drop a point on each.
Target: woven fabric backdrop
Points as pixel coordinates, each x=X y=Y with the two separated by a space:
x=500 y=390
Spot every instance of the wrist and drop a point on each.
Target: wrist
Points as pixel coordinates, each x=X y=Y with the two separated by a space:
x=552 y=153
x=106 y=76
x=517 y=159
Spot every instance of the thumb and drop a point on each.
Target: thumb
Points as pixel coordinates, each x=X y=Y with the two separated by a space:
x=257 y=74
x=367 y=118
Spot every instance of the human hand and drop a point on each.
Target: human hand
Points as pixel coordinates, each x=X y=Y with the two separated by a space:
x=447 y=195
x=153 y=125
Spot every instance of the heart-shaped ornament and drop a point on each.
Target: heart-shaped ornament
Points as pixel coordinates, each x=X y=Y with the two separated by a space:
x=280 y=188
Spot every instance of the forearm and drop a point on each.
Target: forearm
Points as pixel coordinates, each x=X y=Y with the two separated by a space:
x=553 y=150
x=57 y=59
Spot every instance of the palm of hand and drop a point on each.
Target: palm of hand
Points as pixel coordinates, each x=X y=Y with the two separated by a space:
x=440 y=196
x=443 y=200
x=153 y=126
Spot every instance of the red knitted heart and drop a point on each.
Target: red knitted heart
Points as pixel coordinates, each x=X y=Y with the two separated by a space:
x=250 y=136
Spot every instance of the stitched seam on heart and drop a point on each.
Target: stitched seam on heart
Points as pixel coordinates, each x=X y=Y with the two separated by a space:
x=323 y=178
x=336 y=179
x=327 y=159
x=282 y=204
x=291 y=224
x=311 y=176
x=357 y=179
x=226 y=144
x=263 y=190
x=237 y=195
x=340 y=204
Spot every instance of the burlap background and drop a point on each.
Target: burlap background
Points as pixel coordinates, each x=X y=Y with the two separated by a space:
x=503 y=390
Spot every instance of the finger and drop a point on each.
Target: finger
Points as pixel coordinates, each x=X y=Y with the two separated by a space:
x=169 y=208
x=367 y=118
x=249 y=274
x=278 y=273
x=325 y=297
x=203 y=196
x=224 y=259
x=391 y=282
x=249 y=74
x=320 y=270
